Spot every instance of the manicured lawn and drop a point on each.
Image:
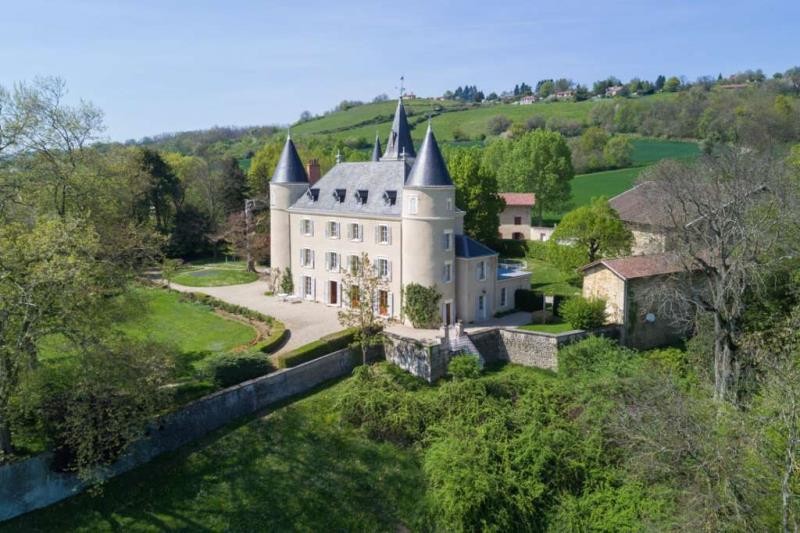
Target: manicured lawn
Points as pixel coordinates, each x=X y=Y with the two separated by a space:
x=297 y=469
x=214 y=274
x=547 y=279
x=554 y=327
x=193 y=329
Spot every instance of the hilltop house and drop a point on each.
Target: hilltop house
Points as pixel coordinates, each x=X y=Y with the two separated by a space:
x=400 y=209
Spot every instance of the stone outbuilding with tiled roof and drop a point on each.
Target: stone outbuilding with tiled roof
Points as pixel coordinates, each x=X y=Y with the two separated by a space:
x=623 y=283
x=644 y=214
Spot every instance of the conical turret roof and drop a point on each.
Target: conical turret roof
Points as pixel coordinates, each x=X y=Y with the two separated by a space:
x=289 y=169
x=400 y=137
x=376 y=150
x=429 y=169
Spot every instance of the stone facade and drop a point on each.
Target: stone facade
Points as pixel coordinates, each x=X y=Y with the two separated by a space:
x=600 y=282
x=647 y=239
x=427 y=360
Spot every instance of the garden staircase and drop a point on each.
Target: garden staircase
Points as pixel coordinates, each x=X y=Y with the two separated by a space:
x=459 y=343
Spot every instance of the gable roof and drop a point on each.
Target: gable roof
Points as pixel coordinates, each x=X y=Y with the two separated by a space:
x=429 y=169
x=399 y=142
x=640 y=266
x=467 y=247
x=373 y=177
x=523 y=199
x=289 y=168
x=640 y=205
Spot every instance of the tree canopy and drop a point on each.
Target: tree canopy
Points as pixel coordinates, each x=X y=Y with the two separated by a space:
x=597 y=229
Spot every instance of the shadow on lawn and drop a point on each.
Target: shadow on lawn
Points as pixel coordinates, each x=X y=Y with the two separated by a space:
x=295 y=469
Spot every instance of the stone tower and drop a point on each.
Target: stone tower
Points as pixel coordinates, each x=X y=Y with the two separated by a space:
x=288 y=183
x=430 y=223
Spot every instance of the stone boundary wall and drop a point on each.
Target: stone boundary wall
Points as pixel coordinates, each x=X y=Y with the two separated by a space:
x=530 y=348
x=30 y=484
x=427 y=360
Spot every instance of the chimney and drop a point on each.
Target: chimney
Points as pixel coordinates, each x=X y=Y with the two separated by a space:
x=313 y=171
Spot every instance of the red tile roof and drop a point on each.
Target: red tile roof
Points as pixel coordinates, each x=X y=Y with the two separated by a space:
x=641 y=266
x=524 y=199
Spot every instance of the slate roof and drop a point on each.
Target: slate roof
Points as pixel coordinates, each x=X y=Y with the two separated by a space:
x=429 y=168
x=641 y=266
x=374 y=177
x=376 y=150
x=522 y=199
x=468 y=247
x=289 y=169
x=400 y=137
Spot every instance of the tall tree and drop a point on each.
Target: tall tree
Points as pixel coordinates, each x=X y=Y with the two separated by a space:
x=540 y=162
x=361 y=284
x=732 y=218
x=160 y=191
x=234 y=187
x=476 y=193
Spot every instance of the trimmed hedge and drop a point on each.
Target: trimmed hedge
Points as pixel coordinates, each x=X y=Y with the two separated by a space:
x=584 y=313
x=528 y=300
x=231 y=368
x=325 y=345
x=277 y=336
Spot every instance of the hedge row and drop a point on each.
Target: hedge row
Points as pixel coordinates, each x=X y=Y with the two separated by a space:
x=231 y=368
x=313 y=350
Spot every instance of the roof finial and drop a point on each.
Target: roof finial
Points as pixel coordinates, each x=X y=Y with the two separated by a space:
x=402 y=89
x=338 y=157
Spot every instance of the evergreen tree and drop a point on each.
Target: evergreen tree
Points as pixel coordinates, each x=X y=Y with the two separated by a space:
x=234 y=188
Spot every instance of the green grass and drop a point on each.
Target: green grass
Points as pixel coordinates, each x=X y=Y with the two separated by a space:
x=214 y=274
x=647 y=151
x=547 y=279
x=193 y=329
x=553 y=327
x=297 y=469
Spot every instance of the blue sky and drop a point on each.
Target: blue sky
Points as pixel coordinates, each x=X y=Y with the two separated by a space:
x=156 y=66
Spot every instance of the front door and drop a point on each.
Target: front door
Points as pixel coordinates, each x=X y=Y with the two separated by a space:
x=383 y=302
x=333 y=292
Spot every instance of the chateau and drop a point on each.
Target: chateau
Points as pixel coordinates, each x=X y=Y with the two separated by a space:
x=399 y=208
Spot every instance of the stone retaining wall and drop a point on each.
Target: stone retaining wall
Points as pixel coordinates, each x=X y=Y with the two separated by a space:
x=423 y=359
x=30 y=484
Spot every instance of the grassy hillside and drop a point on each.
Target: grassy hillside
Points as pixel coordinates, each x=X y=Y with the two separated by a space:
x=365 y=120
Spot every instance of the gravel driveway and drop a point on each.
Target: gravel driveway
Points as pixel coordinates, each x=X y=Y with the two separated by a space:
x=306 y=321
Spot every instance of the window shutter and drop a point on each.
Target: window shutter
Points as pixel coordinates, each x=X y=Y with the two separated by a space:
x=313 y=257
x=388 y=234
x=388 y=270
x=327 y=229
x=391 y=304
x=338 y=263
x=377 y=233
x=315 y=288
x=375 y=302
x=361 y=232
x=325 y=292
x=349 y=231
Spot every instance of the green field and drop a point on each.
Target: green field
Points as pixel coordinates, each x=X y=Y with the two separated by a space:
x=296 y=469
x=214 y=274
x=449 y=115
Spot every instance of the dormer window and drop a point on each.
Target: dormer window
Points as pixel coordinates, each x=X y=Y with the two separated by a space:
x=339 y=194
x=313 y=194
x=361 y=196
x=390 y=197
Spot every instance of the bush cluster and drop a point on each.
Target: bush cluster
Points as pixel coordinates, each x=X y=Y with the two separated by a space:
x=584 y=313
x=421 y=305
x=228 y=369
x=318 y=348
x=464 y=367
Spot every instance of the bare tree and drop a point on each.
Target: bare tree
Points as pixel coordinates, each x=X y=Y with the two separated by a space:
x=730 y=217
x=361 y=284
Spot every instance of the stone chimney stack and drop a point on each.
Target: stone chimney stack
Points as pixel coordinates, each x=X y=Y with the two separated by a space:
x=313 y=172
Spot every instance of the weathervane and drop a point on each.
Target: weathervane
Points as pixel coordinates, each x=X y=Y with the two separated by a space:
x=402 y=89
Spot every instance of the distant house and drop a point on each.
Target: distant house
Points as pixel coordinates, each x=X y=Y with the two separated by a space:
x=409 y=96
x=734 y=86
x=515 y=219
x=624 y=283
x=645 y=217
x=565 y=95
x=530 y=99
x=614 y=90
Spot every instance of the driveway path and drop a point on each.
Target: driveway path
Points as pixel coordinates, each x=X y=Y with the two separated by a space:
x=306 y=321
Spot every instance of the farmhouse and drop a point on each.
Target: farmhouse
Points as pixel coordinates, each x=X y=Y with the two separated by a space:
x=515 y=219
x=645 y=217
x=624 y=283
x=398 y=208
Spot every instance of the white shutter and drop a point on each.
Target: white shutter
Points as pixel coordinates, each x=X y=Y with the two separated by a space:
x=314 y=294
x=350 y=231
x=361 y=232
x=313 y=257
x=388 y=234
x=391 y=304
x=377 y=234
x=339 y=263
x=375 y=302
x=388 y=270
x=325 y=292
x=312 y=227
